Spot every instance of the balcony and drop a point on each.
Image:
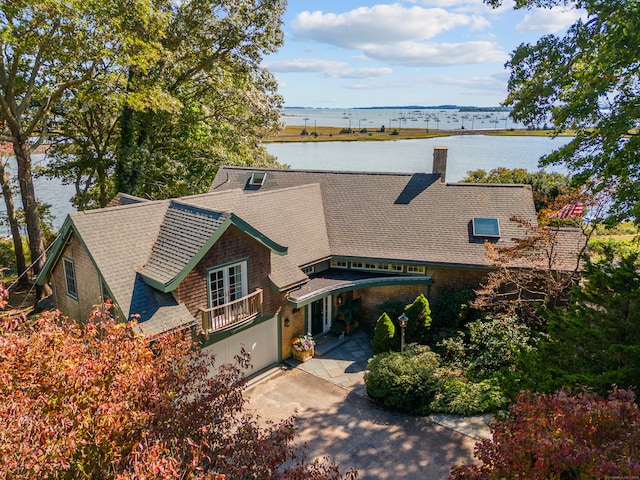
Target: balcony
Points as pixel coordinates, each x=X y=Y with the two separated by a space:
x=232 y=314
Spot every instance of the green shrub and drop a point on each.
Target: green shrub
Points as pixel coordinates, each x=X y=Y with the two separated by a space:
x=418 y=326
x=403 y=380
x=7 y=257
x=458 y=395
x=452 y=309
x=383 y=334
x=496 y=343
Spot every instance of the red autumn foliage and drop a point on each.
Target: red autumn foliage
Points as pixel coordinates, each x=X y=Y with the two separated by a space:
x=561 y=436
x=100 y=401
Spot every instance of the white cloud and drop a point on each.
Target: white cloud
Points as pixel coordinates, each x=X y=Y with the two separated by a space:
x=425 y=54
x=380 y=24
x=304 y=65
x=328 y=68
x=549 y=20
x=361 y=73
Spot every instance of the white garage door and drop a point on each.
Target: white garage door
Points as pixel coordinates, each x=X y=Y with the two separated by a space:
x=261 y=341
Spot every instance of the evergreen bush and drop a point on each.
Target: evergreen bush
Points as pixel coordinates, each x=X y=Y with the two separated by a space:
x=403 y=380
x=383 y=334
x=418 y=326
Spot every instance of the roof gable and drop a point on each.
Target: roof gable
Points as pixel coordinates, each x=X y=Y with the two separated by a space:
x=186 y=234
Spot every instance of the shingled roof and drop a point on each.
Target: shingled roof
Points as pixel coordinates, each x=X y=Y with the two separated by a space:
x=400 y=216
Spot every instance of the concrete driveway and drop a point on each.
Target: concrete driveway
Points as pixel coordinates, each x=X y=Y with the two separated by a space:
x=355 y=432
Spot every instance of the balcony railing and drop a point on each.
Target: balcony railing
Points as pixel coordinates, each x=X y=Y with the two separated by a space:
x=232 y=314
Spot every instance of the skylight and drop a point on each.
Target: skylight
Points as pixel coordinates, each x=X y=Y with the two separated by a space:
x=257 y=178
x=486 y=227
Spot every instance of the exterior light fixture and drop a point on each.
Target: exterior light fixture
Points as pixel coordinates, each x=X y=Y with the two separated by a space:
x=339 y=299
x=402 y=320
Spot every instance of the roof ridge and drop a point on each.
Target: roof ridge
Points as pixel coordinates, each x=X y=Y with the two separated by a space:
x=332 y=172
x=146 y=203
x=491 y=185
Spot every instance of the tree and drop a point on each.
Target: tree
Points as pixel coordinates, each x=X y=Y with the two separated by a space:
x=594 y=341
x=12 y=220
x=101 y=401
x=560 y=437
x=419 y=321
x=49 y=47
x=586 y=83
x=383 y=334
x=534 y=274
x=206 y=102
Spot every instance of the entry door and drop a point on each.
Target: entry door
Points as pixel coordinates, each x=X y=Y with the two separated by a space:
x=320 y=316
x=317 y=317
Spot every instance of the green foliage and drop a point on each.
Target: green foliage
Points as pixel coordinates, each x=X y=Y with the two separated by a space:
x=7 y=258
x=495 y=344
x=595 y=342
x=383 y=334
x=419 y=323
x=546 y=186
x=452 y=309
x=561 y=437
x=403 y=380
x=460 y=396
x=586 y=83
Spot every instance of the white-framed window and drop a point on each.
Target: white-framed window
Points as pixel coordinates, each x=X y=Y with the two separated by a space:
x=227 y=283
x=416 y=269
x=70 y=282
x=339 y=263
x=309 y=270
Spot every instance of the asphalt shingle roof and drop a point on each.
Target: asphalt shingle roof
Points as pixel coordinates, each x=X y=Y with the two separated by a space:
x=400 y=216
x=184 y=231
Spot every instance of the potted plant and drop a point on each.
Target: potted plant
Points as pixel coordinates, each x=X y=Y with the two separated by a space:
x=302 y=347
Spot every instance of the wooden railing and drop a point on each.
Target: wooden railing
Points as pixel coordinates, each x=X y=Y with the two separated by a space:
x=232 y=314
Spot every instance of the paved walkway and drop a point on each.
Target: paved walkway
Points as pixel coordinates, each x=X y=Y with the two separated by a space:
x=343 y=361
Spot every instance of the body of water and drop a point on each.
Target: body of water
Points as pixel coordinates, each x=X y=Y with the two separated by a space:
x=466 y=152
x=398 y=118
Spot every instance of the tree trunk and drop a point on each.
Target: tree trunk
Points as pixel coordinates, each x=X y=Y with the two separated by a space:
x=31 y=215
x=21 y=263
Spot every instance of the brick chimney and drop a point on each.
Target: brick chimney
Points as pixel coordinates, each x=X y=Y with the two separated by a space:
x=440 y=162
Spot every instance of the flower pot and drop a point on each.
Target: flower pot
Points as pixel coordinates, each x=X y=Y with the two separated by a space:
x=303 y=356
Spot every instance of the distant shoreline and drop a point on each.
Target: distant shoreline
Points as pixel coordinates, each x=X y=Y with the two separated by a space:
x=292 y=133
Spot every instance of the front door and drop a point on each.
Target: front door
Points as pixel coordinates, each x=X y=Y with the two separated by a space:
x=317 y=317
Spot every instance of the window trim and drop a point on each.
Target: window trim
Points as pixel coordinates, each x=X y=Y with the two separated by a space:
x=69 y=272
x=244 y=280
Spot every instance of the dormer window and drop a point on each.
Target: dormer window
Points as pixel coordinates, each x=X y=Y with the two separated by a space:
x=486 y=227
x=257 y=179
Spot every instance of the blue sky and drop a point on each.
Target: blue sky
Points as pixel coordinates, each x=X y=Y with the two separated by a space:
x=340 y=54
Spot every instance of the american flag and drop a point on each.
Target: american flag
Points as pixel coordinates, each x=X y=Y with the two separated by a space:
x=569 y=210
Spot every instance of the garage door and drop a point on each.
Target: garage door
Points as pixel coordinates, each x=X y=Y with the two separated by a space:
x=260 y=340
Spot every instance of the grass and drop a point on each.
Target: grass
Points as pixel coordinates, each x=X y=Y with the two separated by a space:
x=292 y=133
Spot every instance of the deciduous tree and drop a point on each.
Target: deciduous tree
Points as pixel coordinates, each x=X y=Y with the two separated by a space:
x=559 y=437
x=47 y=48
x=586 y=82
x=101 y=401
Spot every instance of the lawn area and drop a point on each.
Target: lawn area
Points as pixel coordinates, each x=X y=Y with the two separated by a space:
x=293 y=133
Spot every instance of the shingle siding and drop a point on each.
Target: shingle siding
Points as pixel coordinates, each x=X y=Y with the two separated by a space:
x=233 y=245
x=87 y=281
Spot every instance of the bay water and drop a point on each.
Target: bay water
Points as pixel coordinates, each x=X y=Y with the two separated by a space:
x=465 y=153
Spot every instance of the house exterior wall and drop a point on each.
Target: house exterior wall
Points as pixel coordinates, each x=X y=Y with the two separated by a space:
x=453 y=278
x=373 y=297
x=87 y=282
x=232 y=246
x=296 y=320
